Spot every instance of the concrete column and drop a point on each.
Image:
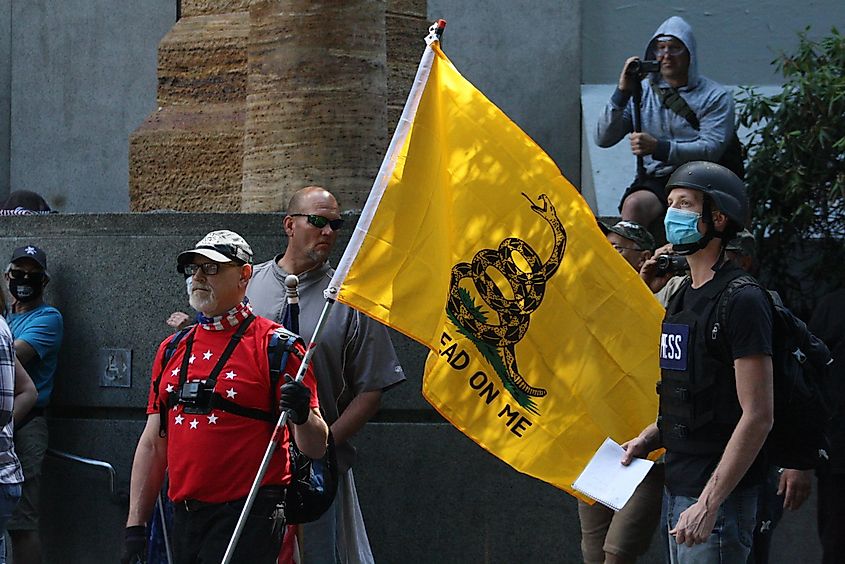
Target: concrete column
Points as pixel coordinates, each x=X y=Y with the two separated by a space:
x=316 y=104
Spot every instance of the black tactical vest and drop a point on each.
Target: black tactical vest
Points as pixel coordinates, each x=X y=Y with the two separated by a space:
x=699 y=408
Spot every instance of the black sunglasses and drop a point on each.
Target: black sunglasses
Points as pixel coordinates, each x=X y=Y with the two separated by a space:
x=319 y=221
x=21 y=276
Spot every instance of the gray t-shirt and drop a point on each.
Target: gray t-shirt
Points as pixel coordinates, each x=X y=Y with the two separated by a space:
x=354 y=354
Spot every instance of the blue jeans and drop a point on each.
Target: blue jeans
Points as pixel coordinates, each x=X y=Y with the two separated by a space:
x=9 y=496
x=730 y=541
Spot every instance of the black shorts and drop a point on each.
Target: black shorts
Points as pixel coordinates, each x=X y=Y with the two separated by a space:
x=654 y=184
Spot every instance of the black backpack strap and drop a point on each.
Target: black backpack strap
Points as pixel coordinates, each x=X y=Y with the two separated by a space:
x=219 y=402
x=672 y=100
x=282 y=344
x=230 y=348
x=735 y=284
x=169 y=349
x=722 y=309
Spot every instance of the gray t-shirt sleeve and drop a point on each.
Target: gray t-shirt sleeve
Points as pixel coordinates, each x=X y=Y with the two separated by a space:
x=370 y=359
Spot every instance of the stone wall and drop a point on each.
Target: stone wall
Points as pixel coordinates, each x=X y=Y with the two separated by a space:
x=428 y=493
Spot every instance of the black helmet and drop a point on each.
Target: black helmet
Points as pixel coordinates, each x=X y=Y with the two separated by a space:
x=722 y=185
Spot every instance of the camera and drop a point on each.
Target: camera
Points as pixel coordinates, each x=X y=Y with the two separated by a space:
x=640 y=68
x=195 y=397
x=670 y=264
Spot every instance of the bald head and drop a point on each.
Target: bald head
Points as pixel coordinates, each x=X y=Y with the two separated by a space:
x=306 y=198
x=311 y=226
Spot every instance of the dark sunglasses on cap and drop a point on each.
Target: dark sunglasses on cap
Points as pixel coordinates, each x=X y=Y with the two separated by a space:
x=319 y=221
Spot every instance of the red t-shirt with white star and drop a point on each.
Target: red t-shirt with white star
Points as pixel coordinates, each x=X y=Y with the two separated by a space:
x=215 y=457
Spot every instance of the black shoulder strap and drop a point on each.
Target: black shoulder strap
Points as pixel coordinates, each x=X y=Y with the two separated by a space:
x=169 y=349
x=282 y=344
x=224 y=358
x=672 y=100
x=735 y=285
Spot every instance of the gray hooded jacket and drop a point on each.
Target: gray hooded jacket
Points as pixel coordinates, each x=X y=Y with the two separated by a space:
x=677 y=141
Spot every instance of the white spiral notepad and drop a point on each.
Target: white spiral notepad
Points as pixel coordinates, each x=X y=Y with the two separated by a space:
x=605 y=480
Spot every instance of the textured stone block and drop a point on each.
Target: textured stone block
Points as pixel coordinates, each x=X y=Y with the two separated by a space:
x=316 y=109
x=206 y=7
x=203 y=60
x=188 y=158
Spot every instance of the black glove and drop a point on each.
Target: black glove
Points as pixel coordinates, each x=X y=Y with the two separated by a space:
x=296 y=400
x=134 y=545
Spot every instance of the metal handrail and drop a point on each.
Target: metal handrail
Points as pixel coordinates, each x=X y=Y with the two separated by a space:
x=88 y=461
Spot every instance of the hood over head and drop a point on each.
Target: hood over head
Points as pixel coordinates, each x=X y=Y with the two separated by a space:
x=676 y=26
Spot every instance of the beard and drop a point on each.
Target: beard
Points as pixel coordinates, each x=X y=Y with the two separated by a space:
x=203 y=301
x=318 y=256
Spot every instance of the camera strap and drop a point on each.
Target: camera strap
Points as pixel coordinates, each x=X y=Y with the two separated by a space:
x=672 y=100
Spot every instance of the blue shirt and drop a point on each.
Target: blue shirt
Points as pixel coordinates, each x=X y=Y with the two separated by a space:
x=42 y=329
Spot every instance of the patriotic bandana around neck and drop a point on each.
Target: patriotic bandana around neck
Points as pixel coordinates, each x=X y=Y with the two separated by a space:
x=229 y=319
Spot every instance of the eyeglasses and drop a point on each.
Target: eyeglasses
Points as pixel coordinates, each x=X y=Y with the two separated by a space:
x=673 y=50
x=620 y=248
x=23 y=276
x=208 y=268
x=320 y=221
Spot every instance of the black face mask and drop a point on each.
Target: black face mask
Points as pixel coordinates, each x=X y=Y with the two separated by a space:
x=27 y=288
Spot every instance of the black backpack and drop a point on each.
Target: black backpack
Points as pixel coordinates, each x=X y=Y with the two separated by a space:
x=801 y=365
x=313 y=482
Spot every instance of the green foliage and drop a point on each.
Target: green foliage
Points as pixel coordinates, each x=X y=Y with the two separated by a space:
x=796 y=171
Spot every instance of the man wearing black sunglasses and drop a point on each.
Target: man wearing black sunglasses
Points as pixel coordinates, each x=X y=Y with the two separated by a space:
x=354 y=362
x=37 y=329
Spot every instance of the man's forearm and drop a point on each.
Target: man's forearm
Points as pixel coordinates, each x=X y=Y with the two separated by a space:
x=312 y=435
x=148 y=470
x=742 y=448
x=360 y=410
x=25 y=392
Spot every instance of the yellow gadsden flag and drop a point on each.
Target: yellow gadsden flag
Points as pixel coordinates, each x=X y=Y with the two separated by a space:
x=543 y=339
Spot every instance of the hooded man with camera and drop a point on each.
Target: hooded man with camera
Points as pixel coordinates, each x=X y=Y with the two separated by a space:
x=683 y=117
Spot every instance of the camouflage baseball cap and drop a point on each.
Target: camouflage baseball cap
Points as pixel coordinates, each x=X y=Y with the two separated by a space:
x=631 y=231
x=744 y=244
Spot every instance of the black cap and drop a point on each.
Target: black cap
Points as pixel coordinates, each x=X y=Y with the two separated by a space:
x=30 y=252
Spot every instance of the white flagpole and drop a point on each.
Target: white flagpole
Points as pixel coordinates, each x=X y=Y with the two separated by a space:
x=400 y=134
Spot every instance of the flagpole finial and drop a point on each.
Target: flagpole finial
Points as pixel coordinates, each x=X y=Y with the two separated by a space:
x=435 y=32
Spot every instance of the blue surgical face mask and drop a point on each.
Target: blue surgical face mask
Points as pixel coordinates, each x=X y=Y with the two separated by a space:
x=681 y=226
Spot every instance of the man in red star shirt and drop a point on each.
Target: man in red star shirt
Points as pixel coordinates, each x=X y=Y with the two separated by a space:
x=211 y=413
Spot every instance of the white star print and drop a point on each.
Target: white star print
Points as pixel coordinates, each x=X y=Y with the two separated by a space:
x=212 y=419
x=192 y=359
x=231 y=393
x=169 y=388
x=206 y=355
x=194 y=424
x=230 y=375
x=30 y=250
x=179 y=419
x=175 y=372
